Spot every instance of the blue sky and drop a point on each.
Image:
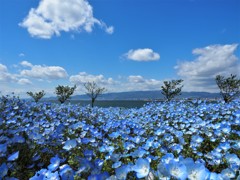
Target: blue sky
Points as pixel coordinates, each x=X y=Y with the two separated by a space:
x=123 y=45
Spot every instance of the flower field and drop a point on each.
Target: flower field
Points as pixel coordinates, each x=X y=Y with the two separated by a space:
x=170 y=140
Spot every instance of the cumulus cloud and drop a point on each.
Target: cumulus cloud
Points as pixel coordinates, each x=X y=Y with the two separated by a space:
x=137 y=82
x=5 y=76
x=212 y=60
x=43 y=72
x=52 y=17
x=24 y=81
x=142 y=55
x=26 y=64
x=83 y=78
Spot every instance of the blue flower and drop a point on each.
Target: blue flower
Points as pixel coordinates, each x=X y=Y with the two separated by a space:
x=117 y=164
x=196 y=171
x=88 y=154
x=66 y=172
x=121 y=172
x=40 y=175
x=101 y=176
x=3 y=170
x=141 y=167
x=177 y=170
x=13 y=156
x=3 y=148
x=70 y=144
x=228 y=173
x=55 y=162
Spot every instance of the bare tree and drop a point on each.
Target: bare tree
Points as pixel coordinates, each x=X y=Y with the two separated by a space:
x=93 y=91
x=64 y=92
x=172 y=88
x=229 y=87
x=37 y=95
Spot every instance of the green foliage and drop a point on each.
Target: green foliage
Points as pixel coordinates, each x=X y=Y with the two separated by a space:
x=93 y=91
x=37 y=95
x=64 y=92
x=229 y=87
x=172 y=88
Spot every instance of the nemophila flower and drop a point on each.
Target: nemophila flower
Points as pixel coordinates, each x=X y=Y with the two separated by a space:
x=197 y=171
x=115 y=157
x=225 y=128
x=139 y=153
x=177 y=170
x=225 y=146
x=232 y=158
x=128 y=145
x=13 y=156
x=197 y=139
x=177 y=147
x=101 y=176
x=141 y=167
x=88 y=154
x=228 y=173
x=39 y=175
x=121 y=172
x=55 y=162
x=214 y=176
x=85 y=165
x=70 y=144
x=167 y=158
x=3 y=148
x=66 y=172
x=98 y=163
x=114 y=135
x=117 y=164
x=85 y=140
x=18 y=139
x=36 y=157
x=3 y=170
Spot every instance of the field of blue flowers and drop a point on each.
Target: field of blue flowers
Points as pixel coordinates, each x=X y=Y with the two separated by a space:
x=168 y=140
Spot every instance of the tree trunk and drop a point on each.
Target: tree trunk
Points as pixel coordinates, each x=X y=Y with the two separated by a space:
x=93 y=100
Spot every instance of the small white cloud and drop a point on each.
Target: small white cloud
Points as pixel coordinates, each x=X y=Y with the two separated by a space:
x=21 y=55
x=142 y=55
x=26 y=64
x=136 y=79
x=83 y=78
x=52 y=17
x=24 y=81
x=139 y=83
x=199 y=74
x=43 y=72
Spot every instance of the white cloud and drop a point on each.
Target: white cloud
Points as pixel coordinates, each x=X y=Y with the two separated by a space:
x=26 y=64
x=24 y=81
x=83 y=78
x=43 y=72
x=52 y=17
x=21 y=55
x=3 y=68
x=5 y=76
x=142 y=55
x=200 y=73
x=139 y=83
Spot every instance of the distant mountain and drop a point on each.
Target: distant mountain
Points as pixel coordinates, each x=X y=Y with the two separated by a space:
x=145 y=95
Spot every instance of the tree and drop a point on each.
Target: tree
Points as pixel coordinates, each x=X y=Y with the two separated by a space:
x=172 y=88
x=64 y=92
x=37 y=95
x=93 y=91
x=229 y=87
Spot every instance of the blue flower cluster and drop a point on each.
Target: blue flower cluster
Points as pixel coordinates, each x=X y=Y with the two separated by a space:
x=165 y=140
